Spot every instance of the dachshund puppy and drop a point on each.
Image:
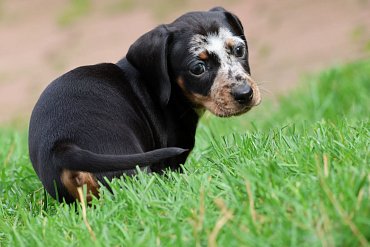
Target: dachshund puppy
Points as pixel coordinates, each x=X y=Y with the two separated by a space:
x=100 y=121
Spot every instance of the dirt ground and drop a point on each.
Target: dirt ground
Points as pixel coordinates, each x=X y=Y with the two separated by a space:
x=287 y=39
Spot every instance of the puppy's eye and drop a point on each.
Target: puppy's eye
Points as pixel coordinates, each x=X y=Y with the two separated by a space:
x=198 y=69
x=239 y=51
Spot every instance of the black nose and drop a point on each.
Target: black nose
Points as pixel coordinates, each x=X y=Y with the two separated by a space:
x=242 y=93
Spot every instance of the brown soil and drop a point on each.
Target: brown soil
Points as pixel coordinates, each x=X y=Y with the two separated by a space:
x=287 y=38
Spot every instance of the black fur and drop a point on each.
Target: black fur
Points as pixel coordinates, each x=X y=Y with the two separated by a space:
x=108 y=118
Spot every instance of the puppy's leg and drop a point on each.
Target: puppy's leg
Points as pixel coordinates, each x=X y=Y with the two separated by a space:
x=74 y=179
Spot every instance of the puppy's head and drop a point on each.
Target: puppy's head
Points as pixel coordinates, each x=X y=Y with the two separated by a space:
x=206 y=55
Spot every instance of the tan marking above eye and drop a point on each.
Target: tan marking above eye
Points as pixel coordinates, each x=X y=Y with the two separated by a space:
x=230 y=43
x=203 y=55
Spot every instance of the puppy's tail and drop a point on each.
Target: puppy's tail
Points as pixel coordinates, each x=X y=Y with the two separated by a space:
x=74 y=158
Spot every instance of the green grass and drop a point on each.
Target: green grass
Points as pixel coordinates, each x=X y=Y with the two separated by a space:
x=296 y=174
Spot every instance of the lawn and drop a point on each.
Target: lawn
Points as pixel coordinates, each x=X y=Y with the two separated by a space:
x=296 y=173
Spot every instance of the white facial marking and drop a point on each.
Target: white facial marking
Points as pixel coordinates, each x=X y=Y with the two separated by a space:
x=220 y=101
x=217 y=43
x=214 y=43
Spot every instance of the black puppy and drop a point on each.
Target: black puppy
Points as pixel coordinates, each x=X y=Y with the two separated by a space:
x=100 y=121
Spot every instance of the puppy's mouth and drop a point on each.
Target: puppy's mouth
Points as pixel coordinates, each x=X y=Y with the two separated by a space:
x=234 y=101
x=222 y=106
x=224 y=101
x=236 y=109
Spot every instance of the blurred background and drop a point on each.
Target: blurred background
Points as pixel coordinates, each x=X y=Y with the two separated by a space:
x=288 y=39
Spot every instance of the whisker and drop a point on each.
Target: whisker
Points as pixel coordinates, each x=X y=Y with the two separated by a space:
x=267 y=91
x=264 y=89
x=263 y=82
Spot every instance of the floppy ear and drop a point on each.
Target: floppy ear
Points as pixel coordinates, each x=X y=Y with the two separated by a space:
x=236 y=24
x=149 y=56
x=233 y=20
x=236 y=27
